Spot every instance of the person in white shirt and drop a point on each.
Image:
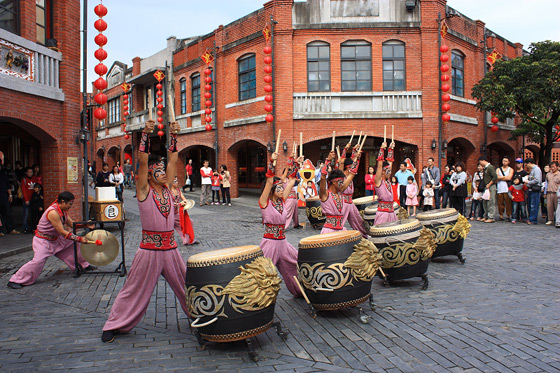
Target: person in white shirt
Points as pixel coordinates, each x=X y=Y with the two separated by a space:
x=116 y=179
x=505 y=174
x=206 y=176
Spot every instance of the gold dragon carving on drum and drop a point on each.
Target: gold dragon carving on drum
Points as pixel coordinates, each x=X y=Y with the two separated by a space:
x=255 y=288
x=452 y=232
x=315 y=212
x=408 y=253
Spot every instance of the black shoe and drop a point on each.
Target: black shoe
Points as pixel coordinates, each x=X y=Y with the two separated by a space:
x=298 y=226
x=90 y=268
x=108 y=336
x=195 y=242
x=14 y=285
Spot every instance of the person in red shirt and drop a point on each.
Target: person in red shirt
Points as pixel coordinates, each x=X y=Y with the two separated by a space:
x=216 y=179
x=27 y=184
x=517 y=191
x=370 y=181
x=395 y=187
x=188 y=179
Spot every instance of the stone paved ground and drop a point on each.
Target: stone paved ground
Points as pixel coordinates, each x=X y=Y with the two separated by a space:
x=498 y=312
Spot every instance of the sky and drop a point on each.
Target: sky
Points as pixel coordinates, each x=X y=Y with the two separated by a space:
x=141 y=27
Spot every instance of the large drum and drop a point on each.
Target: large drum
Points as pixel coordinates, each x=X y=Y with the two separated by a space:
x=371 y=211
x=231 y=293
x=315 y=212
x=450 y=229
x=362 y=203
x=336 y=269
x=406 y=248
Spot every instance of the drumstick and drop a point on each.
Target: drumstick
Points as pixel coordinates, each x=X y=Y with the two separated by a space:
x=382 y=273
x=302 y=291
x=338 y=151
x=392 y=132
x=277 y=144
x=363 y=142
x=294 y=149
x=150 y=105
x=352 y=137
x=171 y=108
x=301 y=144
x=333 y=139
x=385 y=133
x=360 y=138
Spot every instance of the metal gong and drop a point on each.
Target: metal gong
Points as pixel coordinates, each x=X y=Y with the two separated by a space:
x=100 y=255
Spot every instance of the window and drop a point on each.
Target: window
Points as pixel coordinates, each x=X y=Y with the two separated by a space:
x=183 y=88
x=457 y=74
x=9 y=15
x=356 y=66
x=318 y=67
x=247 y=78
x=195 y=92
x=114 y=114
x=42 y=20
x=154 y=94
x=394 y=77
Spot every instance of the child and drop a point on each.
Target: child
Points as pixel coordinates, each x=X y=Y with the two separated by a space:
x=476 y=203
x=396 y=189
x=36 y=206
x=428 y=194
x=310 y=191
x=411 y=199
x=517 y=191
x=216 y=179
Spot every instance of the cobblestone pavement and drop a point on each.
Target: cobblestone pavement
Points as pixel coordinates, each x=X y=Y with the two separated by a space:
x=498 y=312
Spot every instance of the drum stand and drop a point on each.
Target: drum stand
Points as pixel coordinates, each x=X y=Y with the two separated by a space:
x=387 y=282
x=461 y=259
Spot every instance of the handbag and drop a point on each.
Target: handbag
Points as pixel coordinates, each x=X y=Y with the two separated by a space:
x=188 y=181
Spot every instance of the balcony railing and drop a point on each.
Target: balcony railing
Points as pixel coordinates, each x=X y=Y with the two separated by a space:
x=137 y=120
x=32 y=68
x=406 y=104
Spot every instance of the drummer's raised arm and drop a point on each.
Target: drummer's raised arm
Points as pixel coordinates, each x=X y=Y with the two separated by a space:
x=263 y=200
x=380 y=160
x=142 y=187
x=323 y=193
x=353 y=171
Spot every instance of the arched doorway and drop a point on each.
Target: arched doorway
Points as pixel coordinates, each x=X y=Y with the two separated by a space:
x=532 y=151
x=115 y=154
x=498 y=150
x=251 y=164
x=199 y=154
x=128 y=153
x=459 y=150
x=100 y=157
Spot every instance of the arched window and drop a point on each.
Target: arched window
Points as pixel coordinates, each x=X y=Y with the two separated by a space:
x=355 y=62
x=183 y=90
x=195 y=92
x=394 y=66
x=457 y=73
x=318 y=67
x=247 y=77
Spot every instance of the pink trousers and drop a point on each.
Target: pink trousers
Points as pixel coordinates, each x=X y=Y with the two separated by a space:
x=133 y=299
x=284 y=256
x=384 y=217
x=185 y=237
x=355 y=220
x=330 y=230
x=292 y=216
x=62 y=248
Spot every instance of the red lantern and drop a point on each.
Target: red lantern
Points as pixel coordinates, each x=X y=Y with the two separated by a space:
x=207 y=71
x=446 y=117
x=445 y=87
x=446 y=107
x=494 y=128
x=126 y=136
x=208 y=103
x=159 y=99
x=269 y=118
x=100 y=10
x=126 y=113
x=100 y=84
x=268 y=60
x=159 y=93
x=208 y=87
x=445 y=97
x=100 y=25
x=268 y=88
x=100 y=98
x=444 y=48
x=208 y=119
x=160 y=126
x=160 y=133
x=445 y=78
x=100 y=69
x=268 y=69
x=267 y=79
x=208 y=127
x=444 y=58
x=100 y=54
x=100 y=40
x=160 y=119
x=159 y=113
x=159 y=106
x=100 y=113
x=125 y=97
x=267 y=50
x=208 y=79
x=207 y=111
x=207 y=95
x=268 y=98
x=268 y=108
x=444 y=68
x=159 y=86
x=125 y=108
x=125 y=103
x=495 y=120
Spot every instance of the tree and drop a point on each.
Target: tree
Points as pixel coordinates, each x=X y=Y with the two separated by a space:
x=527 y=87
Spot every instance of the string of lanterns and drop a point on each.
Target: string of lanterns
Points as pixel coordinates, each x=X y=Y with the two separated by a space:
x=125 y=87
x=267 y=78
x=159 y=75
x=444 y=68
x=101 y=55
x=207 y=57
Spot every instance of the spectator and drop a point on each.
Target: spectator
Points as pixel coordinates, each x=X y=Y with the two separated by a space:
x=445 y=186
x=433 y=175
x=519 y=170
x=459 y=188
x=476 y=205
x=36 y=206
x=544 y=209
x=428 y=193
x=226 y=184
x=475 y=186
x=19 y=170
x=370 y=181
x=553 y=184
x=533 y=181
x=127 y=171
x=102 y=179
x=93 y=173
x=411 y=191
x=424 y=180
x=216 y=180
x=206 y=176
x=37 y=173
x=489 y=179
x=116 y=179
x=505 y=174
x=27 y=184
x=395 y=189
x=189 y=176
x=5 y=202
x=402 y=176
x=320 y=164
x=518 y=200
x=310 y=190
x=558 y=209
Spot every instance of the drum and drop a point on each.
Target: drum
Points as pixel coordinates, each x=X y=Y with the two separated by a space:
x=450 y=229
x=314 y=212
x=336 y=269
x=231 y=293
x=406 y=248
x=371 y=211
x=362 y=203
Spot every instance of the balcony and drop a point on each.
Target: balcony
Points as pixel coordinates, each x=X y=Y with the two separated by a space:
x=34 y=68
x=197 y=121
x=137 y=120
x=358 y=105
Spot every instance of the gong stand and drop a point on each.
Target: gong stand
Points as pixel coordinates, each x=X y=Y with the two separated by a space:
x=79 y=270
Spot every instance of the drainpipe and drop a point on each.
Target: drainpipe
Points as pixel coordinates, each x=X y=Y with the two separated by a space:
x=84 y=130
x=440 y=124
x=215 y=102
x=272 y=23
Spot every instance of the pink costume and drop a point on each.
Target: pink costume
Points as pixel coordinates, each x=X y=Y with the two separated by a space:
x=275 y=246
x=157 y=255
x=411 y=190
x=334 y=209
x=352 y=213
x=385 y=212
x=292 y=208
x=177 y=225
x=47 y=242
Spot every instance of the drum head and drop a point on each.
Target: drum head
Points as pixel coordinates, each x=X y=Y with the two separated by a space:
x=399 y=226
x=437 y=214
x=314 y=198
x=325 y=239
x=223 y=256
x=363 y=200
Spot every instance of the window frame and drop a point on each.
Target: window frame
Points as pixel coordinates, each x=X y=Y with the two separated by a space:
x=355 y=59
x=195 y=92
x=16 y=12
x=252 y=92
x=114 y=110
x=393 y=59
x=183 y=95
x=318 y=60
x=454 y=70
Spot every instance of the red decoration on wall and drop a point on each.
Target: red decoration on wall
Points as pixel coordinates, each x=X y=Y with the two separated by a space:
x=101 y=55
x=159 y=75
x=100 y=25
x=495 y=120
x=268 y=98
x=444 y=68
x=445 y=97
x=208 y=58
x=445 y=87
x=445 y=78
x=100 y=40
x=444 y=48
x=100 y=10
x=268 y=87
x=268 y=69
x=446 y=107
x=267 y=50
x=100 y=83
x=100 y=113
x=494 y=128
x=446 y=117
x=444 y=58
x=100 y=98
x=269 y=118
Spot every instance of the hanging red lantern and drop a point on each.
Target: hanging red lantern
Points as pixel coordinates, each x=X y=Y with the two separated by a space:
x=268 y=98
x=125 y=97
x=208 y=87
x=160 y=106
x=444 y=48
x=446 y=107
x=268 y=88
x=159 y=113
x=268 y=60
x=100 y=69
x=446 y=117
x=100 y=54
x=207 y=111
x=126 y=136
x=207 y=71
x=100 y=98
x=100 y=84
x=208 y=103
x=444 y=68
x=445 y=97
x=100 y=113
x=159 y=86
x=269 y=118
x=160 y=133
x=160 y=126
x=126 y=113
x=267 y=79
x=207 y=95
x=208 y=127
x=159 y=93
x=268 y=108
x=100 y=10
x=208 y=119
x=100 y=25
x=444 y=58
x=268 y=69
x=125 y=108
x=125 y=102
x=267 y=50
x=494 y=128
x=495 y=120
x=445 y=87
x=445 y=78
x=160 y=119
x=159 y=99
x=208 y=79
x=100 y=40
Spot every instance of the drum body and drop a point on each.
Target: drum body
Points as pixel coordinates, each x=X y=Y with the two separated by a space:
x=449 y=227
x=336 y=269
x=405 y=246
x=315 y=212
x=362 y=203
x=231 y=293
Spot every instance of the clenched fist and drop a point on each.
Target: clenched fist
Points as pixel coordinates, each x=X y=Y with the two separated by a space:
x=150 y=125
x=174 y=127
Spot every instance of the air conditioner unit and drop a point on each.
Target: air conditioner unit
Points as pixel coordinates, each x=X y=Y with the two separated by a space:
x=410 y=5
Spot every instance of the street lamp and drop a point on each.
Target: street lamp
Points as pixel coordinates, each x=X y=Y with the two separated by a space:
x=434 y=144
x=285 y=146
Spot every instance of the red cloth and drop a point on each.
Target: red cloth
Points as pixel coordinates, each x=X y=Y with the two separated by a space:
x=189 y=169
x=186 y=224
x=395 y=188
x=216 y=180
x=205 y=174
x=370 y=182
x=518 y=195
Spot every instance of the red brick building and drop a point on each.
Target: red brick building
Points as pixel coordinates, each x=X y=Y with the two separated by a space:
x=40 y=91
x=338 y=65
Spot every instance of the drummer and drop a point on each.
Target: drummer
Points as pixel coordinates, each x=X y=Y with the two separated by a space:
x=291 y=201
x=383 y=189
x=51 y=239
x=353 y=215
x=158 y=254
x=273 y=209
x=332 y=200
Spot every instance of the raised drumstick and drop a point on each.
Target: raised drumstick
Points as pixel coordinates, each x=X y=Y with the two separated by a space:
x=385 y=133
x=171 y=108
x=277 y=144
x=392 y=132
x=363 y=142
x=301 y=144
x=150 y=105
x=338 y=151
x=333 y=139
x=352 y=137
